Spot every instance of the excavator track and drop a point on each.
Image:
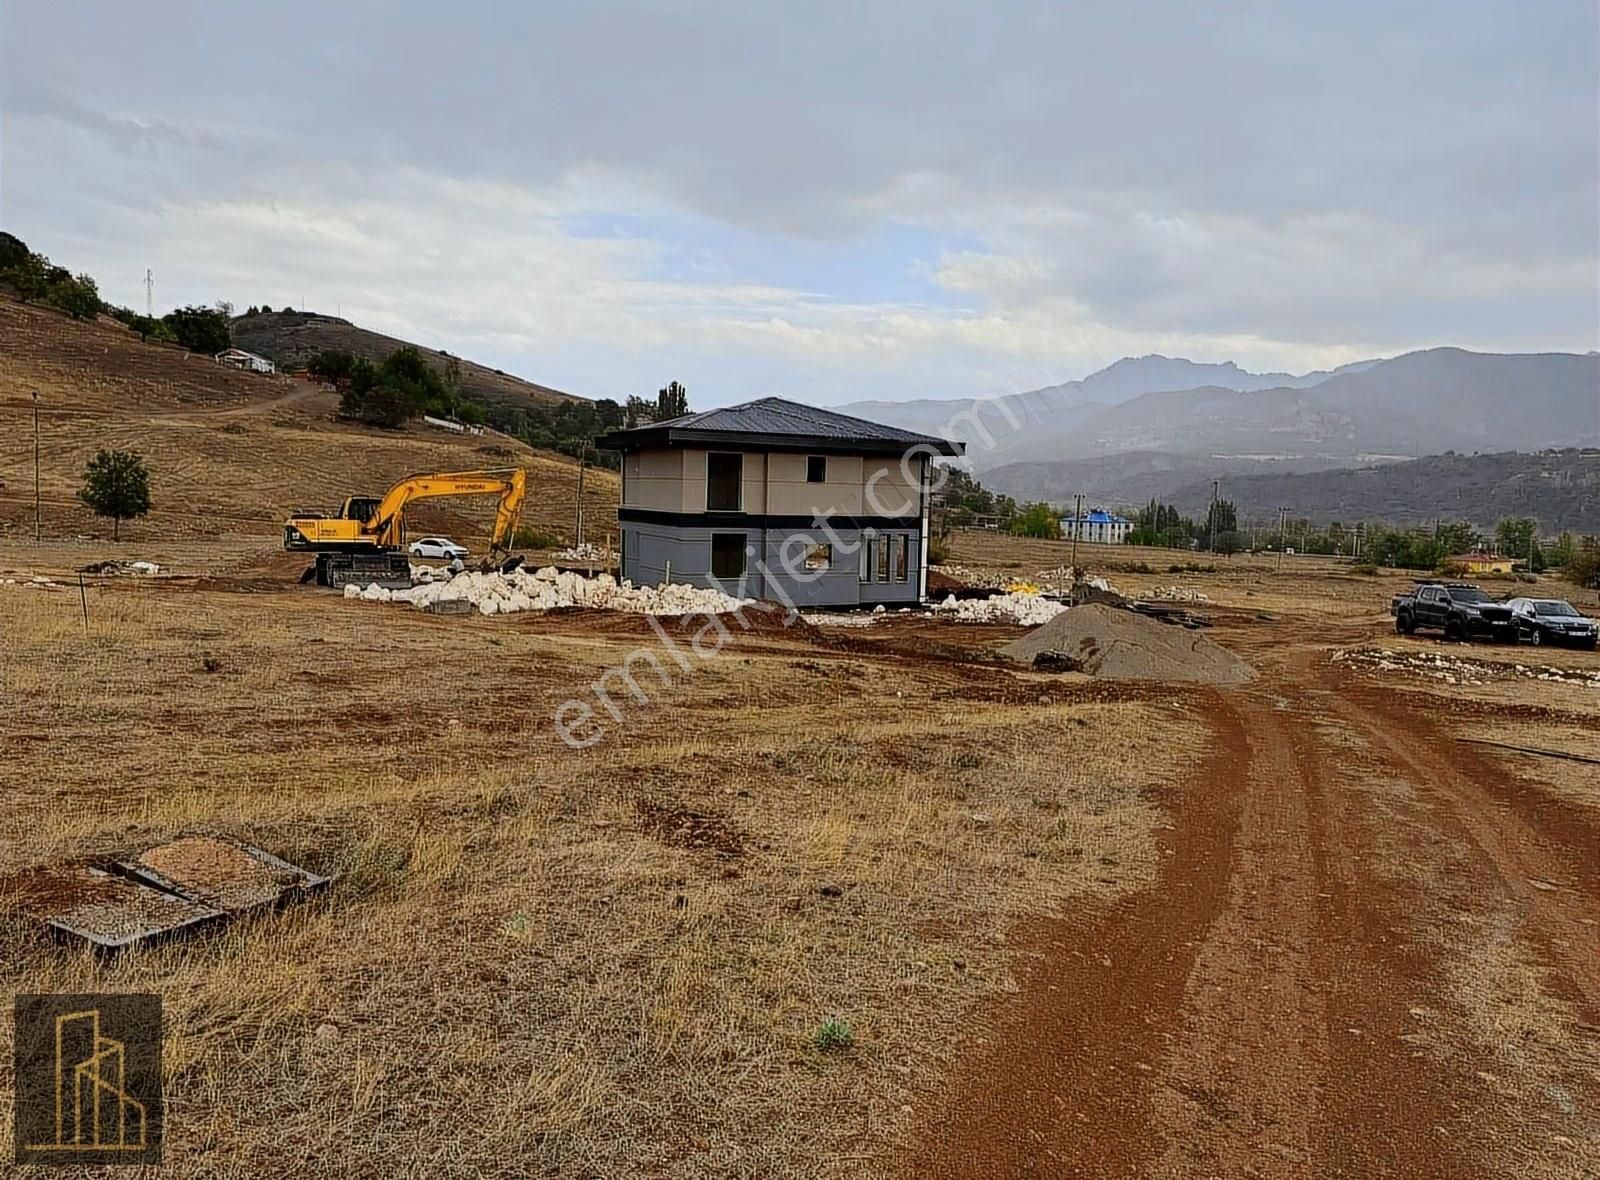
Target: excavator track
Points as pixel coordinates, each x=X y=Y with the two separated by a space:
x=387 y=569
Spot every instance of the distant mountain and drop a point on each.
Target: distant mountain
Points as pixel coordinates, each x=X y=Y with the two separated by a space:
x=997 y=429
x=1559 y=489
x=291 y=338
x=1431 y=401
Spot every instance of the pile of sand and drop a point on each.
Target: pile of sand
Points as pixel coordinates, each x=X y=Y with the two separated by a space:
x=1120 y=645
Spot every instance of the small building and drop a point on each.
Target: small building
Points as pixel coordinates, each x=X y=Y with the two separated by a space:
x=1479 y=562
x=238 y=358
x=1097 y=525
x=777 y=500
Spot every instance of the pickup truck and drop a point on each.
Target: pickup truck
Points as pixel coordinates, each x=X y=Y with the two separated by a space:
x=1460 y=610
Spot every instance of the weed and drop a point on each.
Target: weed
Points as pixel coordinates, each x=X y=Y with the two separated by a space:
x=833 y=1036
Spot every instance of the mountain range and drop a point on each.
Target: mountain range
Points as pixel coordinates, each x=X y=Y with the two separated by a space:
x=1424 y=402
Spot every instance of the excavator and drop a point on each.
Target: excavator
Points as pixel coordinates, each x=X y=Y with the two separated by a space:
x=365 y=543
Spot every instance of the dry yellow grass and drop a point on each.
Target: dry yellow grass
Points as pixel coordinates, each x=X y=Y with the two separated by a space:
x=229 y=452
x=521 y=966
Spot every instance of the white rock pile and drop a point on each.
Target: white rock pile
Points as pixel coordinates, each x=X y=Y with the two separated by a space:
x=546 y=589
x=588 y=553
x=1457 y=669
x=1028 y=609
x=1175 y=594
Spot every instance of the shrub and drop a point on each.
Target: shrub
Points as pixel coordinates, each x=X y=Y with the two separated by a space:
x=529 y=537
x=833 y=1036
x=1366 y=569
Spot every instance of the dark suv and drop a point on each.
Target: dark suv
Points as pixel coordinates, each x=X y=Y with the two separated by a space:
x=1459 y=610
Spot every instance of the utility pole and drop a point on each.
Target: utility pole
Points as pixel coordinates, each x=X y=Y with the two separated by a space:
x=149 y=294
x=1077 y=527
x=38 y=518
x=1283 y=527
x=1211 y=517
x=583 y=454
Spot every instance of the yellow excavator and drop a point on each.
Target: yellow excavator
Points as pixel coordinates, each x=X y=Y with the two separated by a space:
x=365 y=543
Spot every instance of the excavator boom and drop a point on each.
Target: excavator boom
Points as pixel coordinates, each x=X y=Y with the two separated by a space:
x=364 y=541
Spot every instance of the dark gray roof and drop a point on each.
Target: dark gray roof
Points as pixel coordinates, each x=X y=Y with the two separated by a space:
x=778 y=423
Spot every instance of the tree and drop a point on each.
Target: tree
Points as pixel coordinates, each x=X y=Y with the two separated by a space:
x=12 y=250
x=78 y=297
x=31 y=277
x=199 y=329
x=1516 y=537
x=150 y=328
x=672 y=402
x=116 y=484
x=1222 y=519
x=1037 y=520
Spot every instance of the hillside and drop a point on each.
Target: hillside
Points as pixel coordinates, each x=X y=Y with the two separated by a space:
x=1430 y=401
x=229 y=452
x=290 y=338
x=1559 y=489
x=1134 y=477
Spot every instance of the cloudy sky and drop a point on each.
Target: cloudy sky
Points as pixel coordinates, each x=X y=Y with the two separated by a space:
x=827 y=201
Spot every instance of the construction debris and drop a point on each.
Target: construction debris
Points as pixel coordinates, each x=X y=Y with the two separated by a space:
x=1028 y=609
x=176 y=887
x=1118 y=644
x=1176 y=594
x=117 y=568
x=586 y=553
x=549 y=589
x=1452 y=669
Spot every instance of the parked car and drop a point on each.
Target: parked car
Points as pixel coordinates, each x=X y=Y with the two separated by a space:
x=1553 y=620
x=1460 y=610
x=441 y=547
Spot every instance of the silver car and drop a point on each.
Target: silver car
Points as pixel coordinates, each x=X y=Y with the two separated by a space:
x=440 y=547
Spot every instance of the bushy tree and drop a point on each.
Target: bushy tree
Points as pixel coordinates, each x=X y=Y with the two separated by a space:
x=12 y=251
x=31 y=277
x=116 y=484
x=1222 y=520
x=199 y=329
x=1036 y=520
x=150 y=328
x=78 y=297
x=1163 y=525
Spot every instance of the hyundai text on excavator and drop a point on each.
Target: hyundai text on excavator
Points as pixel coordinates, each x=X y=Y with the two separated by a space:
x=365 y=543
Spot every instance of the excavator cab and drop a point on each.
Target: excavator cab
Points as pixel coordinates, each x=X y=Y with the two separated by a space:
x=362 y=508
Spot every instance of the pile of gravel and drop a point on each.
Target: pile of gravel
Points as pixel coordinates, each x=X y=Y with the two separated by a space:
x=1120 y=645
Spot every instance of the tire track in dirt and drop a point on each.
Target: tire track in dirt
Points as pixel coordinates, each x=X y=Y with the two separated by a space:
x=1248 y=1014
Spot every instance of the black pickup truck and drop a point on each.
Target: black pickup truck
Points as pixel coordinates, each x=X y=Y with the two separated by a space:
x=1460 y=610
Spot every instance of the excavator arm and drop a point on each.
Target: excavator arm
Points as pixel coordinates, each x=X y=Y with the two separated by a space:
x=510 y=485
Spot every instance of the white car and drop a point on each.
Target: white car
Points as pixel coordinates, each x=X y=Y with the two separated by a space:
x=440 y=547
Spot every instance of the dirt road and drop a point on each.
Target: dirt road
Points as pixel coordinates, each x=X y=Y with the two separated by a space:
x=1370 y=952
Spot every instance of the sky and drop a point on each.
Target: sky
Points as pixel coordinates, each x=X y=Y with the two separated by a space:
x=827 y=201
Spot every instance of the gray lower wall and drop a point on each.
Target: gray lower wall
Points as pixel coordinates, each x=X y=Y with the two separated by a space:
x=648 y=548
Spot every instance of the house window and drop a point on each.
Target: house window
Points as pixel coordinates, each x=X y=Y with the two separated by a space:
x=727 y=556
x=816 y=469
x=819 y=557
x=884 y=545
x=724 y=482
x=867 y=544
x=902 y=545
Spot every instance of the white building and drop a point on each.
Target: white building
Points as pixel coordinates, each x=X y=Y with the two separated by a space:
x=1097 y=525
x=238 y=358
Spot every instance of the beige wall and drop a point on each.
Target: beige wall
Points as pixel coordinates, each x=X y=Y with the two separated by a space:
x=674 y=480
x=654 y=479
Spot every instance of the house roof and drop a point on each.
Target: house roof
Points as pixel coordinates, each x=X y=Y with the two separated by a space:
x=778 y=424
x=1097 y=516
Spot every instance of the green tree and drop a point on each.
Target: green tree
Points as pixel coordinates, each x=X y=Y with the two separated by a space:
x=1037 y=520
x=1562 y=551
x=1457 y=537
x=1222 y=519
x=116 y=484
x=1583 y=567
x=150 y=328
x=78 y=297
x=672 y=402
x=199 y=329
x=31 y=277
x=12 y=250
x=1516 y=537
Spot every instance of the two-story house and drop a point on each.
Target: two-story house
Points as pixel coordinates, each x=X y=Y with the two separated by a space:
x=778 y=500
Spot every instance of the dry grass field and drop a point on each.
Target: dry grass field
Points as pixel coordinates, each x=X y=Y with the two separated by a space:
x=619 y=959
x=229 y=452
x=831 y=901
